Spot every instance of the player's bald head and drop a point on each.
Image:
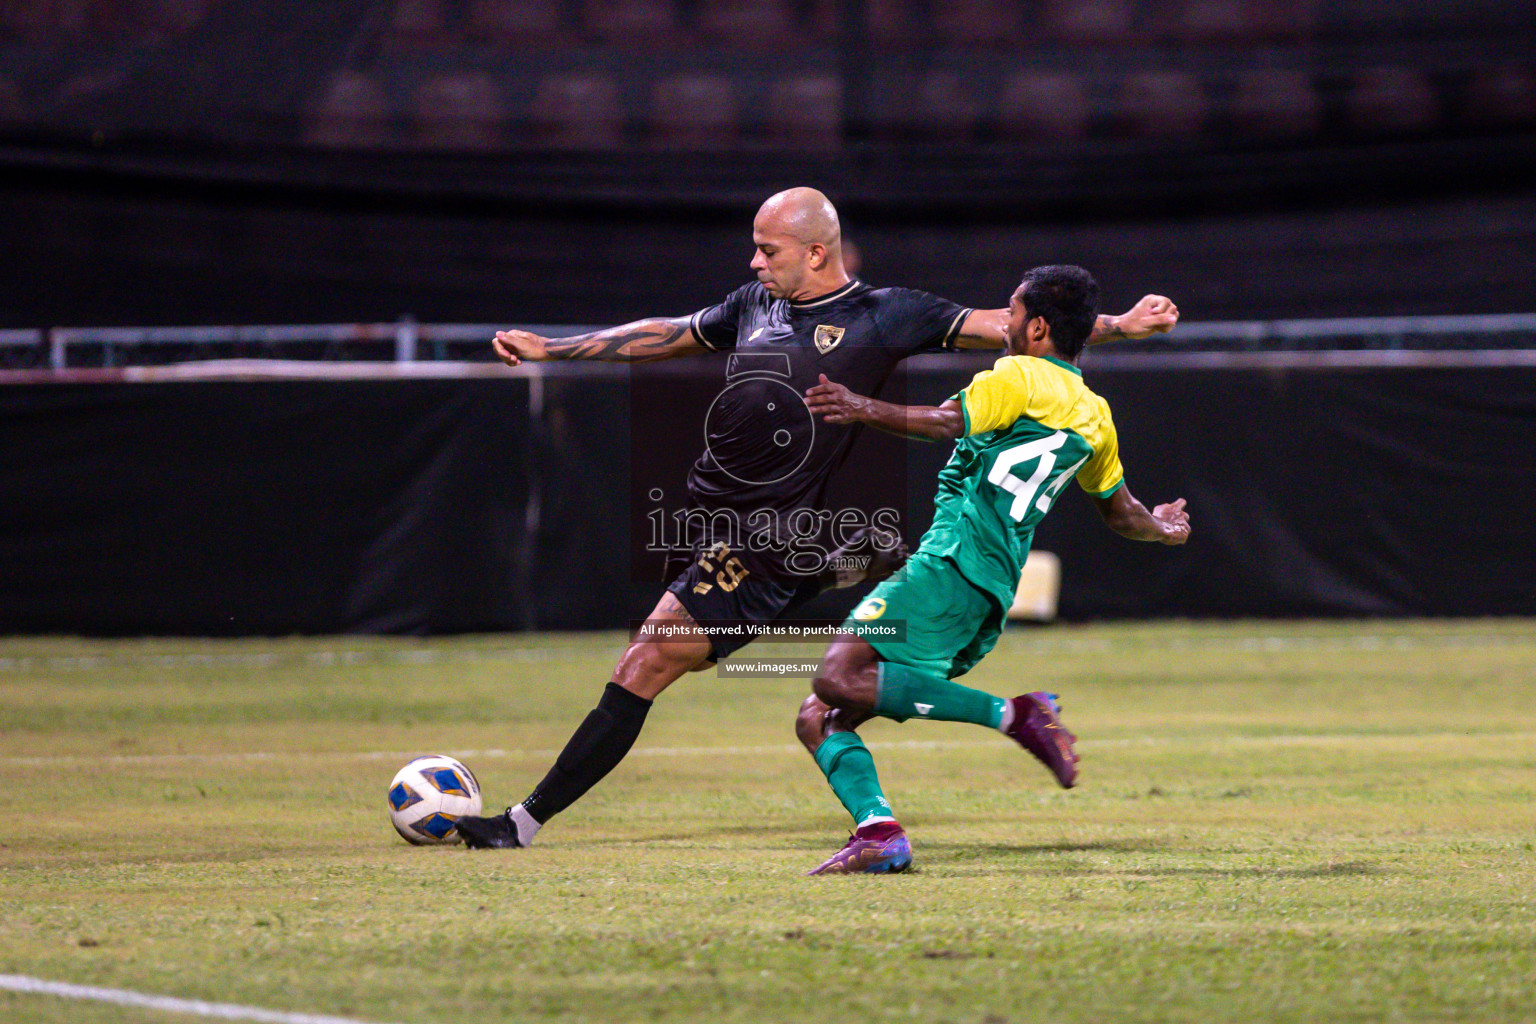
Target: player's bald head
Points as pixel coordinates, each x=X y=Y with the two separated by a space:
x=799 y=245
x=804 y=214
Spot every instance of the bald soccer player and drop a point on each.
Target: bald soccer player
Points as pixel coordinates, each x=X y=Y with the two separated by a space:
x=765 y=460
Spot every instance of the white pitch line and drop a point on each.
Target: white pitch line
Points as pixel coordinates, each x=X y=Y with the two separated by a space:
x=167 y=1004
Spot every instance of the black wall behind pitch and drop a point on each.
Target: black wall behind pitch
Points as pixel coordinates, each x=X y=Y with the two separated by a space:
x=402 y=507
x=227 y=509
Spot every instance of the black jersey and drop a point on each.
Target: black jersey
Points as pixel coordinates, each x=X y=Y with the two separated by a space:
x=765 y=456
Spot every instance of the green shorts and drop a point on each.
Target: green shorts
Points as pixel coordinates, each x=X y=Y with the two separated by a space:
x=950 y=623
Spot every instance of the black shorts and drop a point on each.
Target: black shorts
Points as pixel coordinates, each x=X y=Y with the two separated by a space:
x=727 y=599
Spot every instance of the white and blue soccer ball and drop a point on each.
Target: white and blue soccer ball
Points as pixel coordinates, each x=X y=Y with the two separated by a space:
x=428 y=797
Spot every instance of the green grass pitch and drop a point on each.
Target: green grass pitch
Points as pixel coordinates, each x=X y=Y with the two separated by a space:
x=1276 y=822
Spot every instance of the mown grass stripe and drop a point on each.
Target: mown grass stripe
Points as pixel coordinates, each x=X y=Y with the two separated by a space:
x=788 y=749
x=1381 y=640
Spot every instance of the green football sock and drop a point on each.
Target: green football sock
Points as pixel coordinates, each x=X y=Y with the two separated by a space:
x=850 y=770
x=907 y=693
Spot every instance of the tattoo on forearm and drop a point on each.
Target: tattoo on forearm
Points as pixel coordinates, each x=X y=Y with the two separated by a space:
x=641 y=342
x=1104 y=329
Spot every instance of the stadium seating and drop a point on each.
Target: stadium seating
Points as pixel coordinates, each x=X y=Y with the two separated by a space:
x=1043 y=106
x=693 y=111
x=806 y=110
x=1210 y=21
x=1391 y=100
x=147 y=23
x=892 y=23
x=80 y=17
x=1088 y=22
x=1501 y=97
x=1274 y=104
x=13 y=109
x=21 y=19
x=461 y=112
x=353 y=112
x=1285 y=20
x=946 y=110
x=1161 y=104
x=1227 y=70
x=631 y=22
x=419 y=23
x=577 y=111
x=523 y=23
x=747 y=23
x=978 y=23
x=164 y=19
x=1235 y=22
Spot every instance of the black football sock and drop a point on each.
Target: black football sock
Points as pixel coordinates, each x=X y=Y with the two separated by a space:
x=594 y=749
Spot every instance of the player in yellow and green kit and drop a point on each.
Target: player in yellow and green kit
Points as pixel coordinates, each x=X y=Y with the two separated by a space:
x=1023 y=430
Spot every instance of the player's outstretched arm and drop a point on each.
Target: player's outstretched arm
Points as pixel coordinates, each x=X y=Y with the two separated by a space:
x=836 y=404
x=1154 y=314
x=1165 y=524
x=984 y=328
x=643 y=341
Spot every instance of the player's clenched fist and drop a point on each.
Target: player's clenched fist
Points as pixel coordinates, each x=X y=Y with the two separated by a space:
x=1175 y=522
x=512 y=347
x=1154 y=314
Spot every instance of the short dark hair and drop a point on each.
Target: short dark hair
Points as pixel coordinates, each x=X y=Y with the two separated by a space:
x=1068 y=298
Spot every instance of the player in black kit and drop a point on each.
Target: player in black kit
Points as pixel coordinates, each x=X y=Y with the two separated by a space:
x=765 y=459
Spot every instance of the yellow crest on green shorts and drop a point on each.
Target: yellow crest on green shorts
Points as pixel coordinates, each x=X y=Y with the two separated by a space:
x=872 y=608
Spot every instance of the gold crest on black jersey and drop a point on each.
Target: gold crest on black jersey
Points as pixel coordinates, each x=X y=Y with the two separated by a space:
x=827 y=337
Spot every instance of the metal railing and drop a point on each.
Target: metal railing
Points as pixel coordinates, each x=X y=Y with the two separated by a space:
x=408 y=348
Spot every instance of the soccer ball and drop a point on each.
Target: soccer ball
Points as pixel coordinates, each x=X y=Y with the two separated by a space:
x=428 y=796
